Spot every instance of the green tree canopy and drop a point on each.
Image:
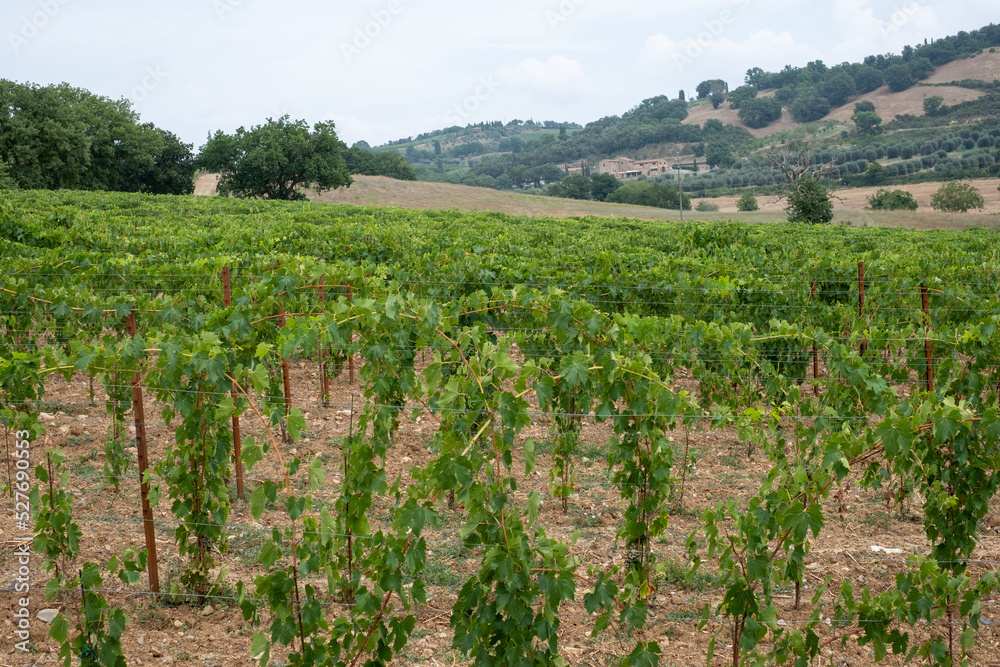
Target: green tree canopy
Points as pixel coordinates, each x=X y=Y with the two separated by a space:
x=574 y=186
x=648 y=193
x=360 y=161
x=64 y=137
x=277 y=159
x=759 y=112
x=747 y=202
x=958 y=197
x=867 y=79
x=602 y=185
x=6 y=182
x=899 y=78
x=886 y=200
x=809 y=108
x=718 y=154
x=876 y=174
x=394 y=165
x=711 y=87
x=42 y=139
x=868 y=123
x=741 y=95
x=839 y=87
x=934 y=105
x=809 y=202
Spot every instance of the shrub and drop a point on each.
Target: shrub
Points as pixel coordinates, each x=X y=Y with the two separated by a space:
x=809 y=201
x=899 y=78
x=707 y=207
x=810 y=108
x=747 y=202
x=958 y=197
x=886 y=200
x=647 y=193
x=759 y=113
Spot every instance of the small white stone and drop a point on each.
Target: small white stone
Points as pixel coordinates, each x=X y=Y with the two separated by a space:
x=141 y=640
x=207 y=611
x=47 y=615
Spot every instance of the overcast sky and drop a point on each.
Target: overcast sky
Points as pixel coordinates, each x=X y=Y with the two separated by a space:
x=385 y=69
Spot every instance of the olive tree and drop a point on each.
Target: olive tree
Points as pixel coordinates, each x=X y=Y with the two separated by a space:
x=958 y=197
x=809 y=201
x=277 y=160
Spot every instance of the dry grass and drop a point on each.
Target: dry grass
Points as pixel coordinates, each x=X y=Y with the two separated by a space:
x=985 y=66
x=381 y=191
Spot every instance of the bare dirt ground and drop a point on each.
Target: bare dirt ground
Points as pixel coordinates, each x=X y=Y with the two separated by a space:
x=699 y=114
x=850 y=201
x=985 y=67
x=212 y=633
x=888 y=105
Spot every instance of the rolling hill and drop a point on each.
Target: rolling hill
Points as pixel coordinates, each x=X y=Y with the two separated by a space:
x=849 y=208
x=984 y=67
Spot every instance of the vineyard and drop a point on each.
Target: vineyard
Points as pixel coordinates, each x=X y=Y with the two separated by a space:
x=301 y=434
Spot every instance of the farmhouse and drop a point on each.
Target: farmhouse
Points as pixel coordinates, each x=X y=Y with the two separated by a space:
x=623 y=167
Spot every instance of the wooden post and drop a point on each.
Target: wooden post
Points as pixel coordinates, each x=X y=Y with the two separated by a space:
x=324 y=383
x=227 y=299
x=286 y=377
x=140 y=445
x=815 y=353
x=925 y=298
x=350 y=356
x=861 y=301
x=10 y=469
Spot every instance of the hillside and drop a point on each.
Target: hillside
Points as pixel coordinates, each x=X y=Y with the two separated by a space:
x=984 y=67
x=703 y=111
x=814 y=101
x=380 y=191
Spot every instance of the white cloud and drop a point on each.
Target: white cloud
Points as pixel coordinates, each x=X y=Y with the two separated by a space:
x=556 y=74
x=706 y=56
x=869 y=29
x=260 y=59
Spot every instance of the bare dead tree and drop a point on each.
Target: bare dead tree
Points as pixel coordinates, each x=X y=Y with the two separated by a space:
x=794 y=161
